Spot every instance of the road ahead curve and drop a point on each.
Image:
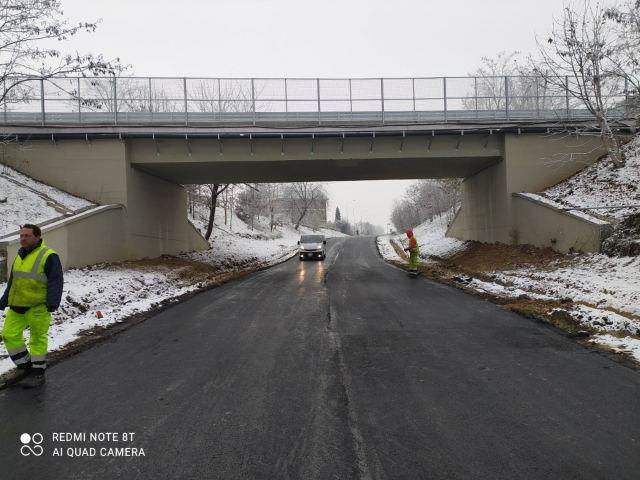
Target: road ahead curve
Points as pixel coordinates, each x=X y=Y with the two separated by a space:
x=342 y=369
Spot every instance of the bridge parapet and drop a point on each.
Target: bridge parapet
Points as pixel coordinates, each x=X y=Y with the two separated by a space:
x=259 y=101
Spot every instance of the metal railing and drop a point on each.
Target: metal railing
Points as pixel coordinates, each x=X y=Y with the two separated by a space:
x=135 y=100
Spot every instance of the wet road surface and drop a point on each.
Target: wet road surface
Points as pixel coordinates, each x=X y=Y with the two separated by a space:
x=342 y=369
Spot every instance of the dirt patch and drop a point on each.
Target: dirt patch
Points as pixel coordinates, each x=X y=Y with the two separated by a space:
x=487 y=257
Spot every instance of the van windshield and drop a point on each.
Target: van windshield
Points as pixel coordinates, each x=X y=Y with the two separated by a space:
x=311 y=239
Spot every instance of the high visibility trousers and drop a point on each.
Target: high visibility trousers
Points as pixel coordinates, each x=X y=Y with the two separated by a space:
x=413 y=260
x=38 y=320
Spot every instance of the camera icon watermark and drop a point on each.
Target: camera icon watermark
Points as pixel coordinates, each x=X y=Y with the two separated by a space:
x=26 y=448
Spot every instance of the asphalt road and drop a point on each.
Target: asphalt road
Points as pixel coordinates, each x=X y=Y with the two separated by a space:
x=342 y=369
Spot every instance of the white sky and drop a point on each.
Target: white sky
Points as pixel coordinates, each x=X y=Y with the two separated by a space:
x=298 y=38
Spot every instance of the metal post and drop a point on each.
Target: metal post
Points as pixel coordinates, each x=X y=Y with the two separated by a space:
x=42 y=99
x=319 y=110
x=382 y=97
x=413 y=82
x=475 y=79
x=537 y=98
x=186 y=106
x=566 y=79
x=444 y=84
x=219 y=102
x=79 y=103
x=506 y=95
x=253 y=101
x=350 y=103
x=115 y=101
x=286 y=101
x=150 y=100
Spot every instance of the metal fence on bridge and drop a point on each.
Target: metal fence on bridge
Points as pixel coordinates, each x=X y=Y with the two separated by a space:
x=135 y=100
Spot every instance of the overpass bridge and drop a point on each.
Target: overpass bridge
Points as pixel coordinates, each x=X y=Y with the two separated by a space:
x=134 y=142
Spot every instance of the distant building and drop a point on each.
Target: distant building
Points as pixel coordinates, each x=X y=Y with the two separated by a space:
x=316 y=211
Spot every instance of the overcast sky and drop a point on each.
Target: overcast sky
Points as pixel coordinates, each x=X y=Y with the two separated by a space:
x=306 y=38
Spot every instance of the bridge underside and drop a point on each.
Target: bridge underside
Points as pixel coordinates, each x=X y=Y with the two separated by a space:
x=329 y=170
x=146 y=174
x=270 y=160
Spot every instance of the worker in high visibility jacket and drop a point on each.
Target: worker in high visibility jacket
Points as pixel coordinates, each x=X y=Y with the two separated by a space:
x=33 y=292
x=413 y=253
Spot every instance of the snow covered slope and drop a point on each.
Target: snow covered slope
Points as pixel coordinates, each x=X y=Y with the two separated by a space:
x=24 y=200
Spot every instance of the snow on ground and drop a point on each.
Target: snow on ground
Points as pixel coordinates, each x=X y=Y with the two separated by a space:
x=577 y=213
x=23 y=206
x=598 y=285
x=601 y=184
x=430 y=234
x=234 y=243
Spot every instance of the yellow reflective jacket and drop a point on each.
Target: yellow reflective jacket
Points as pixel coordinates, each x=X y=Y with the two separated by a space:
x=29 y=283
x=413 y=241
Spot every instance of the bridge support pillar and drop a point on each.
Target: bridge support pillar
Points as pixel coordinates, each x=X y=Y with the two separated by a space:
x=530 y=163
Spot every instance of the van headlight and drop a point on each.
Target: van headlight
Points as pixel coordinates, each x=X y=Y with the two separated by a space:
x=319 y=247
x=301 y=247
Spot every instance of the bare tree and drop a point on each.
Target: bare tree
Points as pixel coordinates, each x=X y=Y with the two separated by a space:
x=502 y=76
x=133 y=95
x=423 y=200
x=626 y=61
x=404 y=215
x=26 y=28
x=221 y=96
x=303 y=196
x=250 y=203
x=214 y=189
x=272 y=193
x=582 y=57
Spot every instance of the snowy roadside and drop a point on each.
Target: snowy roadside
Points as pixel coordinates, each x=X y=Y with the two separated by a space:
x=598 y=292
x=120 y=290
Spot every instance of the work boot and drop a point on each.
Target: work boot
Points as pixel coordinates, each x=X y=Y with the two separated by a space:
x=16 y=375
x=33 y=380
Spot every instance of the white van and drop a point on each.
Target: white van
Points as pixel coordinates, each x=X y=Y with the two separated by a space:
x=312 y=247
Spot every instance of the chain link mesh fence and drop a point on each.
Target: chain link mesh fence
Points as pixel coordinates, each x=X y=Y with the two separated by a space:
x=210 y=100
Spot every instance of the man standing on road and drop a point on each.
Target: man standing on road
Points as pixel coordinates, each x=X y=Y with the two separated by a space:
x=33 y=292
x=413 y=253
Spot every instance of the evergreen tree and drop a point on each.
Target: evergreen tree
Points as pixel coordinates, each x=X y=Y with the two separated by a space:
x=338 y=218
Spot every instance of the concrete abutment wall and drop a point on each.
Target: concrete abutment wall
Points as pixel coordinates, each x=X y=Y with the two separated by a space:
x=531 y=162
x=152 y=218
